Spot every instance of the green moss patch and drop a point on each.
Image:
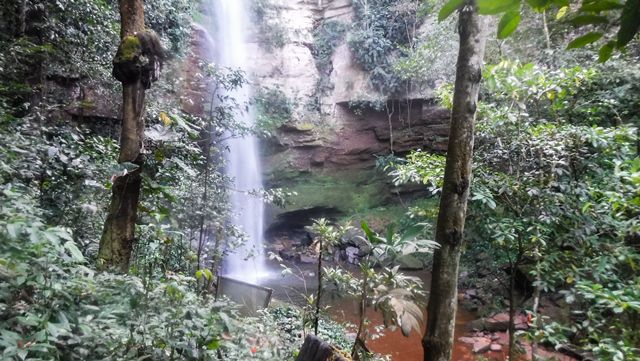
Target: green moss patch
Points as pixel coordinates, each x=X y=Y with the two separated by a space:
x=346 y=191
x=129 y=48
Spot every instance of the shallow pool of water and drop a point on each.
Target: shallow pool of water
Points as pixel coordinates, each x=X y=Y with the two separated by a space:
x=303 y=280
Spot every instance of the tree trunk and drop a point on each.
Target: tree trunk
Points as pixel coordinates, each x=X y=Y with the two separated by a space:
x=362 y=314
x=438 y=339
x=316 y=319
x=512 y=312
x=118 y=235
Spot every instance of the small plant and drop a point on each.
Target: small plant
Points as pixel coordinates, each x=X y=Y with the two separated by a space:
x=389 y=291
x=327 y=237
x=273 y=109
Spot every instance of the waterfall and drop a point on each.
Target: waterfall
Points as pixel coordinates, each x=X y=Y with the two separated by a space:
x=243 y=165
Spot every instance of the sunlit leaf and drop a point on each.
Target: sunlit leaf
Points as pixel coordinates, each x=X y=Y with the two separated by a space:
x=606 y=51
x=562 y=12
x=508 y=24
x=493 y=7
x=76 y=254
x=449 y=8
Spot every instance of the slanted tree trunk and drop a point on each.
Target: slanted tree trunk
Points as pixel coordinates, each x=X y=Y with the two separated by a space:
x=118 y=235
x=441 y=311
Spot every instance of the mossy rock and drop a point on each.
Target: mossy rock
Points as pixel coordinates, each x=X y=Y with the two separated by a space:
x=346 y=191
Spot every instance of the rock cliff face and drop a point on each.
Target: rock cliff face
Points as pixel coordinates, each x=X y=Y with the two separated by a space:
x=328 y=154
x=327 y=150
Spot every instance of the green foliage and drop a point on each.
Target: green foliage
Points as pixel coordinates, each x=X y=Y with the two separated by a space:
x=387 y=290
x=381 y=27
x=552 y=188
x=426 y=62
x=272 y=34
x=287 y=319
x=273 y=109
x=171 y=20
x=419 y=167
x=53 y=305
x=326 y=37
x=601 y=15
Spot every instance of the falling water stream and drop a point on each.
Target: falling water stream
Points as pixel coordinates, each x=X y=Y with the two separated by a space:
x=243 y=165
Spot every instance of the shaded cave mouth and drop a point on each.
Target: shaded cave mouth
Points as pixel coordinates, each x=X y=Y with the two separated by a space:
x=291 y=226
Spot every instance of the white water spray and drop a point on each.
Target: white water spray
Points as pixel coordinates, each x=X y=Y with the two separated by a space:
x=243 y=165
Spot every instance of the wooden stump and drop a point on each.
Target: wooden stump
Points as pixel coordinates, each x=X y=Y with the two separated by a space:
x=314 y=349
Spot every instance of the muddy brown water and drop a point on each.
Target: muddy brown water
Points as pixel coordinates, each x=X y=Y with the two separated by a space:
x=292 y=288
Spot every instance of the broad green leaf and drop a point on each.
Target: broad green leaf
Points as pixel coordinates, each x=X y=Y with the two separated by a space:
x=508 y=24
x=76 y=255
x=371 y=236
x=493 y=7
x=605 y=51
x=585 y=40
x=208 y=274
x=366 y=229
x=590 y=19
x=539 y=5
x=412 y=232
x=449 y=8
x=390 y=232
x=562 y=12
x=629 y=22
x=597 y=6
x=14 y=229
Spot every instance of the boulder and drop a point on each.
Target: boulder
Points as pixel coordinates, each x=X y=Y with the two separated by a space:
x=287 y=254
x=481 y=344
x=465 y=339
x=352 y=254
x=499 y=322
x=308 y=259
x=410 y=262
x=495 y=347
x=470 y=294
x=355 y=238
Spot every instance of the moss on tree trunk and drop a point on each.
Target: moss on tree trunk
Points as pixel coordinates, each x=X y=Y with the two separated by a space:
x=118 y=236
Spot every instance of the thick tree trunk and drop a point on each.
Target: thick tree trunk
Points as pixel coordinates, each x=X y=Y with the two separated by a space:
x=118 y=235
x=438 y=339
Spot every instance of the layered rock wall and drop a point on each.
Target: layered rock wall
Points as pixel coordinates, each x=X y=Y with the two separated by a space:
x=328 y=153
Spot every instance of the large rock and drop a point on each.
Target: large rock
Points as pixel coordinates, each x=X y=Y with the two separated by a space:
x=291 y=69
x=499 y=322
x=196 y=90
x=350 y=81
x=481 y=344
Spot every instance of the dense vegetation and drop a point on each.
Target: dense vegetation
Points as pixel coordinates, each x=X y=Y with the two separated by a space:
x=555 y=194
